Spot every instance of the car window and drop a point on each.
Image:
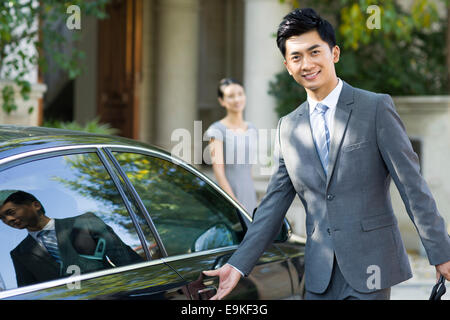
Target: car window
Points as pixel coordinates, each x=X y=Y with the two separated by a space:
x=62 y=215
x=188 y=213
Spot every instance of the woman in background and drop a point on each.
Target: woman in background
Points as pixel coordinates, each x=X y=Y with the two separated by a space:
x=232 y=146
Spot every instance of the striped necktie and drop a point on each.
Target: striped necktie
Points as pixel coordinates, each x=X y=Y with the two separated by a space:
x=321 y=134
x=48 y=238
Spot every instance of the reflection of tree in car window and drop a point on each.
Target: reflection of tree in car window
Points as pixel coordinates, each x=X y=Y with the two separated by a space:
x=91 y=180
x=181 y=204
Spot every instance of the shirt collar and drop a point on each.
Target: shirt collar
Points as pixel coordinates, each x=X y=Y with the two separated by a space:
x=330 y=100
x=49 y=226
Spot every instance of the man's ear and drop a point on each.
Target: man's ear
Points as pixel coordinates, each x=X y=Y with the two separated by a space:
x=336 y=52
x=36 y=205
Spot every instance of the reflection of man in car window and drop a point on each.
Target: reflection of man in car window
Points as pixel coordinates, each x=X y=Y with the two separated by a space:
x=52 y=245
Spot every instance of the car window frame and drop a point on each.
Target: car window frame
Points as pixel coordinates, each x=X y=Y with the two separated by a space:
x=138 y=200
x=240 y=211
x=130 y=210
x=27 y=157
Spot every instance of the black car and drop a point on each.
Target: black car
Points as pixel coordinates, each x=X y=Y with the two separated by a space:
x=129 y=221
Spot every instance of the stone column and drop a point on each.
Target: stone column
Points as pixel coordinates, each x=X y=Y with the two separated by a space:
x=262 y=60
x=177 y=68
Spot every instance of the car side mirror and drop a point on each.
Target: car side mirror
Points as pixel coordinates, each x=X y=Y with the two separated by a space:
x=285 y=232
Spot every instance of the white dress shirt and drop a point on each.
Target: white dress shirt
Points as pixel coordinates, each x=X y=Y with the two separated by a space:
x=330 y=101
x=49 y=226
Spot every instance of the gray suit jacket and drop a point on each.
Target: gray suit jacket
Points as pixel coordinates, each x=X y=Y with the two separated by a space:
x=348 y=212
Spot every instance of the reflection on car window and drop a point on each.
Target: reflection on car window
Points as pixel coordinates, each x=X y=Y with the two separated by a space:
x=56 y=222
x=188 y=213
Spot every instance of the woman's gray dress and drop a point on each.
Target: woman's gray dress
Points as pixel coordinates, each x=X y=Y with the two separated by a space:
x=239 y=153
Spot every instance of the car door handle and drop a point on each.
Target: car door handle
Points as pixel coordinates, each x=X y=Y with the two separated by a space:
x=206 y=293
x=208 y=283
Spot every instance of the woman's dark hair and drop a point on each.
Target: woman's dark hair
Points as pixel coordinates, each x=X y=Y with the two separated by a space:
x=301 y=21
x=22 y=197
x=226 y=82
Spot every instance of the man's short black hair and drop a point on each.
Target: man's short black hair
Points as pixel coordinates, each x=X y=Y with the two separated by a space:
x=22 y=197
x=301 y=21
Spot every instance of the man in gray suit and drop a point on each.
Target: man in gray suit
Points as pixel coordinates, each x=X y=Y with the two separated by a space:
x=338 y=151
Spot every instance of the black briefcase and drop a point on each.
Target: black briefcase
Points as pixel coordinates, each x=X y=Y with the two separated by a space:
x=438 y=289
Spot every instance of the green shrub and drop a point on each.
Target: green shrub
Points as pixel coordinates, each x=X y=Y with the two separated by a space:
x=92 y=126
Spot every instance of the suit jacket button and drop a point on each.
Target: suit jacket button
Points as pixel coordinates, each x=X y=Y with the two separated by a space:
x=330 y=197
x=329 y=231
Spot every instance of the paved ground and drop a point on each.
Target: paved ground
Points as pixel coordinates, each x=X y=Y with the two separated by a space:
x=420 y=285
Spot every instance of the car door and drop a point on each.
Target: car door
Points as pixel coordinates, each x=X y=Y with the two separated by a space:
x=105 y=249
x=199 y=226
x=294 y=250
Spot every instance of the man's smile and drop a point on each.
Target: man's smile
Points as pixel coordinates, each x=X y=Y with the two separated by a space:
x=311 y=76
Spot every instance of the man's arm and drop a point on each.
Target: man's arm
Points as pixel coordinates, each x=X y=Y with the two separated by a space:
x=403 y=165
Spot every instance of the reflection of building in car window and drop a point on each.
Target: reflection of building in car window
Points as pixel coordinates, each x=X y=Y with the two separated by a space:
x=52 y=245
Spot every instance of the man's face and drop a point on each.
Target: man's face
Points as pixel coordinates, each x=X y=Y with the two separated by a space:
x=20 y=216
x=310 y=62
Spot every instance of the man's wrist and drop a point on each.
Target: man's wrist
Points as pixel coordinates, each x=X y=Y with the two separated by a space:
x=242 y=274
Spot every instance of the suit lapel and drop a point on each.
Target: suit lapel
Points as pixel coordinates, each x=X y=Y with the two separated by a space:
x=31 y=246
x=341 y=118
x=305 y=134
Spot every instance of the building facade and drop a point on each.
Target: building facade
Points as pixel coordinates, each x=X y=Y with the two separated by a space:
x=160 y=72
x=152 y=68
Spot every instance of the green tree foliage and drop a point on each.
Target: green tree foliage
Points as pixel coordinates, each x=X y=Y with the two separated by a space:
x=405 y=55
x=19 y=30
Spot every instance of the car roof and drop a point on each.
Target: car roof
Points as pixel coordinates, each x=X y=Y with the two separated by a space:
x=19 y=139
